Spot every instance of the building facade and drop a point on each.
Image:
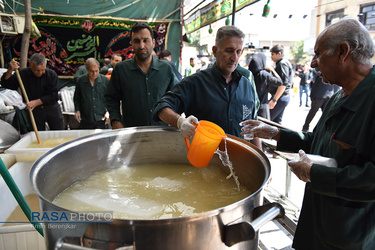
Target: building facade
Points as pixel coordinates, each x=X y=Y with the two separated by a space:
x=329 y=11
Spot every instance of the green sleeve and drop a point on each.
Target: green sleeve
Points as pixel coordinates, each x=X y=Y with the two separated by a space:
x=113 y=97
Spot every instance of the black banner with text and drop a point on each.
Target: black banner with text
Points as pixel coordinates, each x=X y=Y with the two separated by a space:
x=68 y=41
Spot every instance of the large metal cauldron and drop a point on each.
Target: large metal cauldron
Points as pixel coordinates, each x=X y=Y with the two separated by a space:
x=231 y=227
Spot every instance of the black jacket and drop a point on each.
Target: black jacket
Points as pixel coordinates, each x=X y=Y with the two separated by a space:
x=263 y=78
x=285 y=71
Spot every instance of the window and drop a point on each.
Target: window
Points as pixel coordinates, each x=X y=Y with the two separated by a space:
x=367 y=16
x=333 y=17
x=7 y=25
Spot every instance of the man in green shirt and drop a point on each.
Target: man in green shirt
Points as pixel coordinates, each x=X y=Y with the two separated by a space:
x=88 y=97
x=81 y=70
x=138 y=83
x=339 y=203
x=116 y=58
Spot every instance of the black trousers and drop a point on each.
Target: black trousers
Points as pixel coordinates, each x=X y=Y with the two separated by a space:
x=93 y=125
x=278 y=111
x=316 y=104
x=50 y=114
x=264 y=111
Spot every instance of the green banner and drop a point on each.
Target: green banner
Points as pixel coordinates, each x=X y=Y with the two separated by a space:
x=213 y=12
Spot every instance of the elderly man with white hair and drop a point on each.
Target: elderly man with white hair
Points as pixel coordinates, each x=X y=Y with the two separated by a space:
x=338 y=210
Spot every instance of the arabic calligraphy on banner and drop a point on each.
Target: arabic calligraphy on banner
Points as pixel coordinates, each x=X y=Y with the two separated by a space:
x=68 y=41
x=213 y=12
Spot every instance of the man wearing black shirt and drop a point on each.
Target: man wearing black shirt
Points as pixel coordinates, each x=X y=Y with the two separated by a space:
x=280 y=95
x=41 y=85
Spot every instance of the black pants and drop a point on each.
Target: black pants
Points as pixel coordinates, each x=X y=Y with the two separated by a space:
x=316 y=103
x=278 y=111
x=50 y=114
x=93 y=125
x=264 y=111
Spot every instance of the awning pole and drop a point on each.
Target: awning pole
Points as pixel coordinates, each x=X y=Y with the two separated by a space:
x=233 y=11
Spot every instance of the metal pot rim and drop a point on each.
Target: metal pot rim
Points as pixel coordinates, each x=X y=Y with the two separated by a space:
x=39 y=164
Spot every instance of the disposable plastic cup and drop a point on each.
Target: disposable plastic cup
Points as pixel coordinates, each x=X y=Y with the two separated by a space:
x=206 y=139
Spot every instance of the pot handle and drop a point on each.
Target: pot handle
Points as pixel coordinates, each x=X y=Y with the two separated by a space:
x=74 y=243
x=245 y=230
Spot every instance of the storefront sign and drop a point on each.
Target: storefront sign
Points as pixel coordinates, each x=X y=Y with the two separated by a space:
x=213 y=12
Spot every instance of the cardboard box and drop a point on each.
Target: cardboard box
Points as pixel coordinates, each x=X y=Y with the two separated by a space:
x=23 y=153
x=8 y=159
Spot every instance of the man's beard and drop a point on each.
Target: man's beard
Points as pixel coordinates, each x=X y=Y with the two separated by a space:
x=143 y=56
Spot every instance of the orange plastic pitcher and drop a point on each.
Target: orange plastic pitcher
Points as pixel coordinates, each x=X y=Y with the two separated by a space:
x=206 y=139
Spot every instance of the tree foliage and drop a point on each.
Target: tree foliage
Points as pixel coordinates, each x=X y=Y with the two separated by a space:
x=296 y=50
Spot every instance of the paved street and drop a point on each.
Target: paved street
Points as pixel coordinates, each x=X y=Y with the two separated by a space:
x=294 y=118
x=272 y=235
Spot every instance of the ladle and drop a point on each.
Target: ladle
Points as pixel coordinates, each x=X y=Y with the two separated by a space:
x=27 y=100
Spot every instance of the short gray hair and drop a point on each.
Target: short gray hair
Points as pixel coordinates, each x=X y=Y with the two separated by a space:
x=230 y=31
x=38 y=59
x=91 y=61
x=352 y=32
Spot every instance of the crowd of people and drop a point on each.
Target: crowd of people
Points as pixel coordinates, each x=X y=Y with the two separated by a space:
x=339 y=202
x=299 y=81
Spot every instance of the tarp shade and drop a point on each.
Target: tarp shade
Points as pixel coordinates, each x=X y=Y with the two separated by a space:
x=142 y=10
x=133 y=9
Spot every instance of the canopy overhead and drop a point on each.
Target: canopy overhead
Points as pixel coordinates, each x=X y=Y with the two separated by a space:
x=133 y=9
x=174 y=14
x=203 y=12
x=111 y=20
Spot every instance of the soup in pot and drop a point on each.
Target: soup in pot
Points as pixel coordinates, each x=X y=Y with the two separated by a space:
x=153 y=191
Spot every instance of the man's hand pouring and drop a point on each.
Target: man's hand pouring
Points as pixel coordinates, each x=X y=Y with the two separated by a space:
x=259 y=129
x=186 y=126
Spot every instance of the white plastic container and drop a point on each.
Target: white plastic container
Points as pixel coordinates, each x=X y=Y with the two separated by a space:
x=23 y=153
x=18 y=237
x=325 y=161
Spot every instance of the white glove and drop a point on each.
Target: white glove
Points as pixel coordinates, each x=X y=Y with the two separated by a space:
x=186 y=126
x=301 y=166
x=258 y=129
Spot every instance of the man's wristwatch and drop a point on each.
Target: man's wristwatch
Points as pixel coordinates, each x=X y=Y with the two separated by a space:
x=274 y=100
